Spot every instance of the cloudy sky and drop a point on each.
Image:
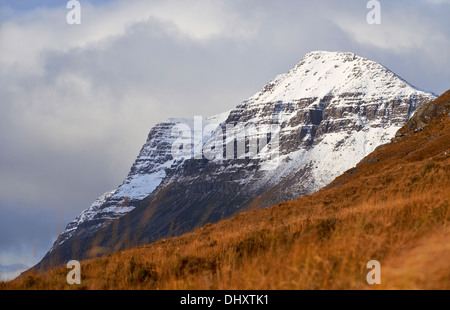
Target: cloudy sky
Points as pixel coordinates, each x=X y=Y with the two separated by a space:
x=77 y=101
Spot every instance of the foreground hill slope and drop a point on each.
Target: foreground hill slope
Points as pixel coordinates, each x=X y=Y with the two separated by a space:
x=393 y=207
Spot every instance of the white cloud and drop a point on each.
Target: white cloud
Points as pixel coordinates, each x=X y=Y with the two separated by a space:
x=404 y=30
x=23 y=39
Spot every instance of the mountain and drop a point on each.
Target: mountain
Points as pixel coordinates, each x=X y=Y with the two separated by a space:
x=392 y=207
x=302 y=130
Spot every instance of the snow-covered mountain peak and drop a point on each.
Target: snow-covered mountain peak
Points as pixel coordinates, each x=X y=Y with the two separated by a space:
x=321 y=74
x=326 y=114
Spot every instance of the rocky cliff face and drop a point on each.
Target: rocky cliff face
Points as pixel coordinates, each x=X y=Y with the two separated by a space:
x=425 y=114
x=302 y=130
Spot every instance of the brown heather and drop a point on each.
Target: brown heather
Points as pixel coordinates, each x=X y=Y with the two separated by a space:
x=393 y=207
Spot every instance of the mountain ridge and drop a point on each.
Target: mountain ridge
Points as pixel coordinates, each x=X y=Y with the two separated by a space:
x=332 y=109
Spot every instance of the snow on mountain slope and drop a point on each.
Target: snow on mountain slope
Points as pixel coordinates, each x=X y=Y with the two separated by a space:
x=155 y=157
x=323 y=73
x=328 y=112
x=145 y=176
x=332 y=108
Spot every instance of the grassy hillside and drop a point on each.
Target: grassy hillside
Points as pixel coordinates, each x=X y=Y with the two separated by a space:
x=393 y=207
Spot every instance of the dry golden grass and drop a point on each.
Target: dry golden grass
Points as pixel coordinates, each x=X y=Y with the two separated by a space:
x=394 y=208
